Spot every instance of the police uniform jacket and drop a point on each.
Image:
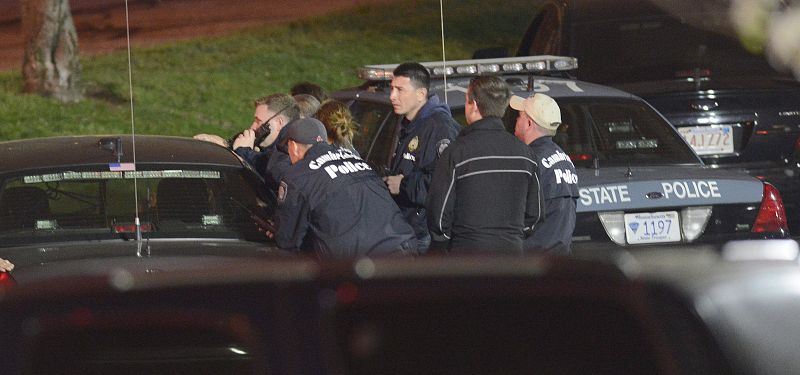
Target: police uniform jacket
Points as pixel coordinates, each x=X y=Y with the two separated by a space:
x=559 y=184
x=333 y=201
x=485 y=192
x=419 y=144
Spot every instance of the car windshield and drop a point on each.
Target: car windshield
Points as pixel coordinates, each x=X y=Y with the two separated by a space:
x=616 y=132
x=610 y=51
x=82 y=204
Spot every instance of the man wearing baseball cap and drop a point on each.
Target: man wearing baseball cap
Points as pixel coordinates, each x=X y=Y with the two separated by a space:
x=332 y=204
x=537 y=123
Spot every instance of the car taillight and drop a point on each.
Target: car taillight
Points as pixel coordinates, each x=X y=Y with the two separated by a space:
x=131 y=228
x=6 y=280
x=771 y=215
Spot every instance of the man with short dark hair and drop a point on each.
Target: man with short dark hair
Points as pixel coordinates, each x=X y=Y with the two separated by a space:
x=484 y=196
x=309 y=88
x=537 y=123
x=426 y=128
x=332 y=203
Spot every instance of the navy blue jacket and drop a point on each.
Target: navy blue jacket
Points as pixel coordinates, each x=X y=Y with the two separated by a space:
x=419 y=144
x=271 y=163
x=559 y=184
x=334 y=204
x=484 y=195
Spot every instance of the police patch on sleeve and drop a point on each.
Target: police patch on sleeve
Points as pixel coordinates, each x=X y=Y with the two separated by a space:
x=282 y=192
x=442 y=145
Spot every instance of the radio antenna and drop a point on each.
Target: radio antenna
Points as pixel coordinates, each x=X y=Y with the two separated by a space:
x=444 y=59
x=133 y=132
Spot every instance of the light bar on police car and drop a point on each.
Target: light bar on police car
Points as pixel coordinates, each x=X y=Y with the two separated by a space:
x=524 y=64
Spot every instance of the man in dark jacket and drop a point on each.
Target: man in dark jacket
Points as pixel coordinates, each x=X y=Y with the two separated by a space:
x=273 y=111
x=537 y=123
x=484 y=195
x=425 y=130
x=330 y=201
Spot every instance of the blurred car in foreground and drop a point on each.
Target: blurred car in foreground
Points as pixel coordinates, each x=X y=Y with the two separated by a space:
x=670 y=311
x=640 y=183
x=685 y=60
x=79 y=198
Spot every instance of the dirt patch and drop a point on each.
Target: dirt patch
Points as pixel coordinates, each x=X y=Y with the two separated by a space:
x=101 y=23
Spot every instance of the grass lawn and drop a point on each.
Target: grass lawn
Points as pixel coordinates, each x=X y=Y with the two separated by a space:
x=207 y=85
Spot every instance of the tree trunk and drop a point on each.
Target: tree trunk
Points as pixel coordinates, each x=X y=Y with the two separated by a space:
x=50 y=66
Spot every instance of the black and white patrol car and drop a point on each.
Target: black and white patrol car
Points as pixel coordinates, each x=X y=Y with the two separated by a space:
x=640 y=183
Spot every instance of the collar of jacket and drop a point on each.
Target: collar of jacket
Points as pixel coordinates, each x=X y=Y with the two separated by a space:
x=431 y=106
x=319 y=149
x=279 y=141
x=486 y=123
x=541 y=140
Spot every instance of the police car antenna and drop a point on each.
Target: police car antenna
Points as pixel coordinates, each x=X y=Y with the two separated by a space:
x=133 y=131
x=444 y=59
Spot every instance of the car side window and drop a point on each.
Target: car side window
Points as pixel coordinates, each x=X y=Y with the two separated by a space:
x=543 y=36
x=574 y=137
x=377 y=126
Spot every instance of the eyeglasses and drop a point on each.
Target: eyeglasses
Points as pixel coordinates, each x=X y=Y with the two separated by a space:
x=266 y=123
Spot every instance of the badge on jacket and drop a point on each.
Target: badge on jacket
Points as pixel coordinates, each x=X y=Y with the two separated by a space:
x=282 y=192
x=442 y=145
x=413 y=144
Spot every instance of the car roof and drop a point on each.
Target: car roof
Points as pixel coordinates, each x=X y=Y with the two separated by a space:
x=558 y=88
x=68 y=151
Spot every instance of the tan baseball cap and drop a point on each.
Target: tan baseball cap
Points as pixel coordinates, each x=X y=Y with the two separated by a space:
x=541 y=108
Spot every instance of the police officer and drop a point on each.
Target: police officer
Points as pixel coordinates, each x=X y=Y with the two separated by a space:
x=537 y=123
x=485 y=193
x=425 y=130
x=331 y=201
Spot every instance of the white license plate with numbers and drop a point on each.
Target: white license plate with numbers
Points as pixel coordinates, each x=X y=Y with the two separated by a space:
x=708 y=140
x=652 y=227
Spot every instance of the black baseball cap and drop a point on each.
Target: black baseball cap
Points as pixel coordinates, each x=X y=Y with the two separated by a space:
x=307 y=131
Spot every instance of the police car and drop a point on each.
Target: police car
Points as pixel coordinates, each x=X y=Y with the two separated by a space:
x=640 y=182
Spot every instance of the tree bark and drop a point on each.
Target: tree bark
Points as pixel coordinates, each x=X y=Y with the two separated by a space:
x=50 y=66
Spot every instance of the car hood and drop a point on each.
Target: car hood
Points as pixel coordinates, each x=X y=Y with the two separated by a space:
x=35 y=263
x=622 y=188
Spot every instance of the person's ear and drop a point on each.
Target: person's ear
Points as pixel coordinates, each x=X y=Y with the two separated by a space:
x=422 y=94
x=293 y=151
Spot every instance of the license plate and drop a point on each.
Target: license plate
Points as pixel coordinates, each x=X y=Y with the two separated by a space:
x=707 y=140
x=652 y=227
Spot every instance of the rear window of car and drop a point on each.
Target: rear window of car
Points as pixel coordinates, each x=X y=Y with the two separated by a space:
x=616 y=132
x=538 y=335
x=80 y=204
